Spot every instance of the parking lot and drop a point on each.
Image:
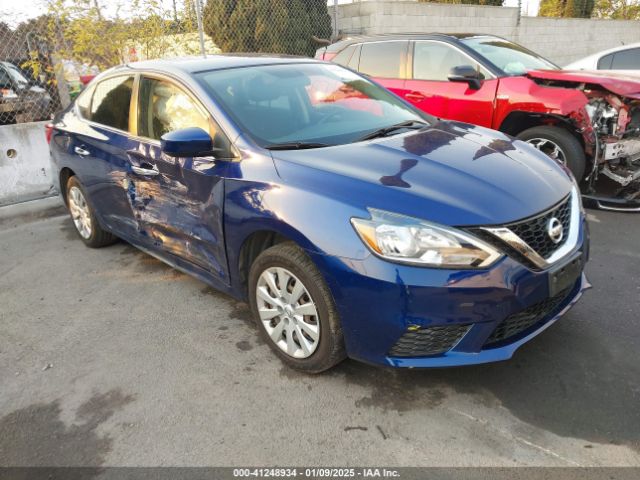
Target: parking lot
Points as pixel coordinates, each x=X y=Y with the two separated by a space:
x=109 y=357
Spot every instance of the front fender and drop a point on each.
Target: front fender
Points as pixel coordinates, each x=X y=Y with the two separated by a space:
x=288 y=211
x=523 y=95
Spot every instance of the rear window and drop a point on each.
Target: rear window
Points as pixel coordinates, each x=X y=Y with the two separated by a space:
x=626 y=60
x=605 y=62
x=382 y=59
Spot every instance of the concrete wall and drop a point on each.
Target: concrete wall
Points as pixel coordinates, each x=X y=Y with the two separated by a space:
x=25 y=173
x=560 y=40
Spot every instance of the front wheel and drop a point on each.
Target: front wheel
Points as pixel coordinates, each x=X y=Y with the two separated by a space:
x=294 y=309
x=560 y=145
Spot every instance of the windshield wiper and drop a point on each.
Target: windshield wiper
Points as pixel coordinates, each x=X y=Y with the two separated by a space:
x=384 y=131
x=295 y=145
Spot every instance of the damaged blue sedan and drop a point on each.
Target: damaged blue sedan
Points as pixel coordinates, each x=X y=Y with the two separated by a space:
x=353 y=224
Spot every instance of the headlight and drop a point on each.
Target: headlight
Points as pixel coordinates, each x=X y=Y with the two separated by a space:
x=410 y=240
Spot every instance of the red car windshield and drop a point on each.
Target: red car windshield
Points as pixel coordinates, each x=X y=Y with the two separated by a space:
x=511 y=58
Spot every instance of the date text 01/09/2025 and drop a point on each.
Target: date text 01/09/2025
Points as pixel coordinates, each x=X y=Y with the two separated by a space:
x=316 y=473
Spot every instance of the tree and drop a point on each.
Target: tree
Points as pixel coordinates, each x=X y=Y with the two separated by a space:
x=81 y=32
x=618 y=9
x=566 y=8
x=274 y=26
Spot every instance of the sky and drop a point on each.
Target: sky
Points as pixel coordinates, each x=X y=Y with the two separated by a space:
x=528 y=6
x=14 y=11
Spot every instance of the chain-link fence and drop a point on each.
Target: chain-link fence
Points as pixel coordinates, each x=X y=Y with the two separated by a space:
x=46 y=60
x=28 y=82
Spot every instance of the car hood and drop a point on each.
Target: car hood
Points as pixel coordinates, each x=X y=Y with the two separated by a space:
x=622 y=84
x=451 y=173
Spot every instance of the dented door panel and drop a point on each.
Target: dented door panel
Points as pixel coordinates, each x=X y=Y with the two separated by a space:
x=179 y=211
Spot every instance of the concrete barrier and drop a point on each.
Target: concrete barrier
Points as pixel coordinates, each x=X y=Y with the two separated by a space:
x=25 y=173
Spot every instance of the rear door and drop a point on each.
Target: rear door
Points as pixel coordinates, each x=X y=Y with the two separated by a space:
x=178 y=201
x=384 y=61
x=429 y=88
x=97 y=150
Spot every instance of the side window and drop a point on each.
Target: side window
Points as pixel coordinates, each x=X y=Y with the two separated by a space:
x=5 y=80
x=434 y=61
x=84 y=102
x=344 y=56
x=605 y=62
x=355 y=58
x=111 y=101
x=164 y=107
x=626 y=60
x=382 y=59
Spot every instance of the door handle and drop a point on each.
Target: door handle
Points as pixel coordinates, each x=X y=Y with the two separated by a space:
x=81 y=151
x=145 y=169
x=415 y=96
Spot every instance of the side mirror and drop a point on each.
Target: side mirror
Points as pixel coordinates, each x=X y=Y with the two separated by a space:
x=187 y=142
x=467 y=74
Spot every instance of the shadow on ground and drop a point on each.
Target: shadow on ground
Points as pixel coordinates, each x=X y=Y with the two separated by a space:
x=36 y=435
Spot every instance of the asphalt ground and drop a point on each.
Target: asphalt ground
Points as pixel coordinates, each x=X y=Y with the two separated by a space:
x=110 y=358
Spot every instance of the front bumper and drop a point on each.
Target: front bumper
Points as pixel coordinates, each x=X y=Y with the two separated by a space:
x=379 y=302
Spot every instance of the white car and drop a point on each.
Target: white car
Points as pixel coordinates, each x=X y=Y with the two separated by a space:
x=625 y=59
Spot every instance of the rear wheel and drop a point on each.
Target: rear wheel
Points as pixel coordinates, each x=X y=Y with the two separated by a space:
x=84 y=218
x=294 y=309
x=559 y=144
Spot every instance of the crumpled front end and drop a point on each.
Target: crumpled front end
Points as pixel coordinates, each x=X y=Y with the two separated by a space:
x=609 y=124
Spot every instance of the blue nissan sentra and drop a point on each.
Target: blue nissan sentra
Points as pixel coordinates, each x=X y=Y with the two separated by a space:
x=353 y=224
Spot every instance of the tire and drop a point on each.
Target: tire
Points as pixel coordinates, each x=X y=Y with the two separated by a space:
x=568 y=144
x=287 y=261
x=83 y=215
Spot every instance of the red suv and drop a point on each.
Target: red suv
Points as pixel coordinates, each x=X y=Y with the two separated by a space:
x=589 y=121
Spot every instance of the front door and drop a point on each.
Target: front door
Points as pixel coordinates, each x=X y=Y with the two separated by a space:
x=430 y=89
x=178 y=201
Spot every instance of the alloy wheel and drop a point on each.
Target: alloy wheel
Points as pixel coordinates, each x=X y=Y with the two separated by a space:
x=80 y=212
x=287 y=312
x=549 y=148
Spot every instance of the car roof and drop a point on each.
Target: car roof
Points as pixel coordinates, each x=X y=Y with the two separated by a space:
x=590 y=60
x=355 y=38
x=195 y=64
x=616 y=49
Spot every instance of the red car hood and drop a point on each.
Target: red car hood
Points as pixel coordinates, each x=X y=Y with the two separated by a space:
x=627 y=85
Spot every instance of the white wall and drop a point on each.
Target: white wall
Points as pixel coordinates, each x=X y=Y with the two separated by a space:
x=560 y=40
x=25 y=173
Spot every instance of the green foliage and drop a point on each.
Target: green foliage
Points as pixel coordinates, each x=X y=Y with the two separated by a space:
x=618 y=9
x=274 y=26
x=566 y=8
x=80 y=32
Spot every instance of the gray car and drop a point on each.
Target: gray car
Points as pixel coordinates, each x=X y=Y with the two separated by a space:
x=21 y=100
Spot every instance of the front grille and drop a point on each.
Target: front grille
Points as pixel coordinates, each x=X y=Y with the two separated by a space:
x=521 y=321
x=534 y=231
x=428 y=341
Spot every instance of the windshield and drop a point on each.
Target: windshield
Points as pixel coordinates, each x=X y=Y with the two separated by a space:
x=509 y=57
x=16 y=75
x=305 y=103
